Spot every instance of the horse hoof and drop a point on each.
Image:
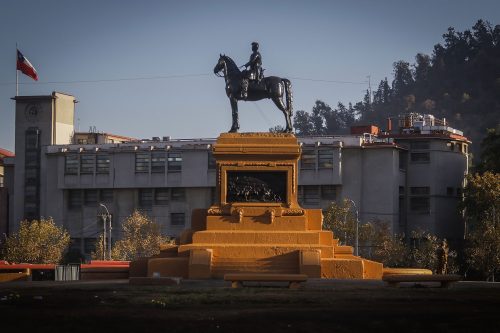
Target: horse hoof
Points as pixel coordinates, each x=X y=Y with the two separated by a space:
x=233 y=130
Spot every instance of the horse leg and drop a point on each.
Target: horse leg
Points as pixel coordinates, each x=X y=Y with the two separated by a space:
x=279 y=103
x=234 y=109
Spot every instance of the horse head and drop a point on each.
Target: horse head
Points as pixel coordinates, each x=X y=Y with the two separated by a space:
x=221 y=64
x=227 y=64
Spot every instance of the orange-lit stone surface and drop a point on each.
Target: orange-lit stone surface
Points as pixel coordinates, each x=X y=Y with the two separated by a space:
x=260 y=237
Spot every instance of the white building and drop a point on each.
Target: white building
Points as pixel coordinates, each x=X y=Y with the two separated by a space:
x=411 y=178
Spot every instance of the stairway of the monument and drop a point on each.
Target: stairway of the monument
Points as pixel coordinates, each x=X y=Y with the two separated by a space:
x=282 y=264
x=258 y=251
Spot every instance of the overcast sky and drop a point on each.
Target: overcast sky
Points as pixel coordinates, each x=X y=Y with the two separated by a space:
x=73 y=41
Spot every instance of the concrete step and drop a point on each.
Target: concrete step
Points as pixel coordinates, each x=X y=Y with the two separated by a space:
x=282 y=223
x=255 y=250
x=223 y=266
x=263 y=237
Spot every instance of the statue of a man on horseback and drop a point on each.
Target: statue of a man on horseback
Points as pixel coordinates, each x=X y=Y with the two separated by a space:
x=251 y=85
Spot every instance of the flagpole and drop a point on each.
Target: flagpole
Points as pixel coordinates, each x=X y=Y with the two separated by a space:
x=17 y=76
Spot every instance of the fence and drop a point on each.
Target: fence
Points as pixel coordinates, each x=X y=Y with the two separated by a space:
x=67 y=272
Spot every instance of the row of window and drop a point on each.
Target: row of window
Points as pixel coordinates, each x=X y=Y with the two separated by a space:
x=157 y=161
x=90 y=197
x=312 y=159
x=86 y=163
x=312 y=195
x=147 y=197
x=160 y=196
x=32 y=173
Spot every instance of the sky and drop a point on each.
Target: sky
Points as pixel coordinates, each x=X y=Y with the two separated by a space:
x=145 y=68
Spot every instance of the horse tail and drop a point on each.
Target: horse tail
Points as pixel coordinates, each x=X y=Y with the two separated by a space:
x=289 y=97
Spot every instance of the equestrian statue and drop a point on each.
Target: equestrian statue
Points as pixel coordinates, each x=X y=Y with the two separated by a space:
x=251 y=85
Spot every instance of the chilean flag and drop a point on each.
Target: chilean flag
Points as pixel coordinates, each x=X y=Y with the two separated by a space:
x=25 y=66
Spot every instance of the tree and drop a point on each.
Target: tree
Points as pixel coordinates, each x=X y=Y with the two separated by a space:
x=483 y=251
x=339 y=219
x=277 y=129
x=481 y=208
x=37 y=242
x=141 y=238
x=490 y=152
x=302 y=123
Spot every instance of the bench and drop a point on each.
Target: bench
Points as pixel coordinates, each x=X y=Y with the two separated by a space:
x=444 y=279
x=237 y=279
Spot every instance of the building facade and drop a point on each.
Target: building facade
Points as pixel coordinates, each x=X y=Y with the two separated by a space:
x=409 y=180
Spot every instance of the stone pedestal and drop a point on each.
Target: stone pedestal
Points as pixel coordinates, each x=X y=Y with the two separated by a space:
x=257 y=225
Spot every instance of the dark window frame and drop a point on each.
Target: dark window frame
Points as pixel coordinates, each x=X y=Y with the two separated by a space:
x=142 y=162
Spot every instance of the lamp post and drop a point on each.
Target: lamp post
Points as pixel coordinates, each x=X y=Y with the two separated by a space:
x=357 y=227
x=108 y=216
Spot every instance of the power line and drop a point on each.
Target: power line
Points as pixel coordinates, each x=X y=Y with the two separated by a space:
x=163 y=77
x=329 y=81
x=115 y=80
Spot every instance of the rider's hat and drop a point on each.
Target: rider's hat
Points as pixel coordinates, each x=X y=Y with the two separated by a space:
x=255 y=43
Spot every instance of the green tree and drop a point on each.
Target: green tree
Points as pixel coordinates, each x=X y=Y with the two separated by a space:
x=37 y=242
x=141 y=238
x=481 y=208
x=490 y=152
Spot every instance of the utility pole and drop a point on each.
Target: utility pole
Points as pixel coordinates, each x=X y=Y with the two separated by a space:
x=370 y=89
x=357 y=227
x=108 y=217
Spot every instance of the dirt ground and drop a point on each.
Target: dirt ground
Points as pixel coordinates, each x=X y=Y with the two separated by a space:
x=212 y=306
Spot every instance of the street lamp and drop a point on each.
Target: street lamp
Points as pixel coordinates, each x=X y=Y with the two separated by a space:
x=108 y=215
x=357 y=227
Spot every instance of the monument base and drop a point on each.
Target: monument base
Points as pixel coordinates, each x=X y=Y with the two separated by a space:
x=257 y=225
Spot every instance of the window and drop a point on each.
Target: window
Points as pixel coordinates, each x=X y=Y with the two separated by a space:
x=459 y=192
x=74 y=199
x=178 y=194
x=420 y=204
x=174 y=162
x=91 y=197
x=75 y=244
x=158 y=161
x=401 y=190
x=106 y=195
x=142 y=162
x=211 y=161
x=451 y=145
x=30 y=192
x=416 y=145
x=146 y=198
x=32 y=159
x=420 y=200
x=177 y=219
x=403 y=157
x=89 y=245
x=308 y=159
x=102 y=163
x=71 y=164
x=328 y=192
x=311 y=195
x=87 y=164
x=420 y=157
x=449 y=191
x=161 y=196
x=31 y=176
x=325 y=158
x=420 y=190
x=33 y=138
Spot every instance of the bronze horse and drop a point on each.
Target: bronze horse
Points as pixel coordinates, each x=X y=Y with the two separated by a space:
x=272 y=87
